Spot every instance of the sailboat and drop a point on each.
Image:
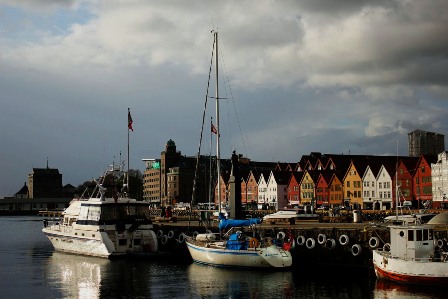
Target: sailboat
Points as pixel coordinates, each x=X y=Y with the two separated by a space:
x=241 y=246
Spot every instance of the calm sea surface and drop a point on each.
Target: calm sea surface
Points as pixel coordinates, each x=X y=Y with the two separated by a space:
x=29 y=268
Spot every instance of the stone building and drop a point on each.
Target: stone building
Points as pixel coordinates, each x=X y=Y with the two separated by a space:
x=425 y=143
x=45 y=183
x=439 y=174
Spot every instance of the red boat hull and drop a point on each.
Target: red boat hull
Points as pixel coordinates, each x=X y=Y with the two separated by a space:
x=411 y=279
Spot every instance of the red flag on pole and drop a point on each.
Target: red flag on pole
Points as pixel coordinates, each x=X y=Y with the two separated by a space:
x=214 y=130
x=130 y=121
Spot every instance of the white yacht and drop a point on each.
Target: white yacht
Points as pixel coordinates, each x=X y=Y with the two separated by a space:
x=103 y=227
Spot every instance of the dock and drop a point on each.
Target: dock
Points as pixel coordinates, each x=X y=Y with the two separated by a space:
x=316 y=243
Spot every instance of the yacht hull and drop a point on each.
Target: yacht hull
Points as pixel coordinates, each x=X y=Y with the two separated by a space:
x=96 y=243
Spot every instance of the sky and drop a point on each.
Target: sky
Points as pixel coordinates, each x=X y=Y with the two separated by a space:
x=340 y=77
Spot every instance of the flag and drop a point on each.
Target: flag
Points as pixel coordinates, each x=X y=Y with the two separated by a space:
x=214 y=130
x=130 y=121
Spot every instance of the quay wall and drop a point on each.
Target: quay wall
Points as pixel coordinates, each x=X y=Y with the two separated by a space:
x=316 y=244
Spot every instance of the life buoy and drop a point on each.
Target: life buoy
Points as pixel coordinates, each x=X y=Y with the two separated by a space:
x=310 y=243
x=289 y=240
x=181 y=238
x=195 y=234
x=171 y=234
x=440 y=243
x=356 y=249
x=164 y=239
x=281 y=235
x=301 y=240
x=159 y=234
x=289 y=243
x=321 y=238
x=374 y=242
x=344 y=240
x=386 y=247
x=330 y=243
x=253 y=243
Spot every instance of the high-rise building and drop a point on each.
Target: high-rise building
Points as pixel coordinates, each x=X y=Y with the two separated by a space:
x=151 y=181
x=425 y=143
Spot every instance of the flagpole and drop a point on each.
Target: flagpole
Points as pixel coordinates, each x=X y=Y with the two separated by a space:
x=127 y=174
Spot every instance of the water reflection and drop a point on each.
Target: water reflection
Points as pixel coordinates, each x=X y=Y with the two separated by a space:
x=232 y=283
x=389 y=290
x=78 y=276
x=88 y=277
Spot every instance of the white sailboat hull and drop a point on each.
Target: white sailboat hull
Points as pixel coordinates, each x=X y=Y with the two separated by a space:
x=268 y=257
x=424 y=272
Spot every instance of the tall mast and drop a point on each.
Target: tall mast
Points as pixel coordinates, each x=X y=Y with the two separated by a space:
x=218 y=155
x=210 y=185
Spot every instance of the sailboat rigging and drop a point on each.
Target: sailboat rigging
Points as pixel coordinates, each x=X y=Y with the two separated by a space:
x=236 y=249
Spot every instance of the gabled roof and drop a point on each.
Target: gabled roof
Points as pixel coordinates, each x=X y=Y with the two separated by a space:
x=411 y=164
x=297 y=176
x=225 y=176
x=323 y=160
x=314 y=174
x=284 y=166
x=298 y=167
x=281 y=177
x=23 y=190
x=255 y=174
x=265 y=175
x=326 y=175
x=429 y=158
x=244 y=174
x=335 y=175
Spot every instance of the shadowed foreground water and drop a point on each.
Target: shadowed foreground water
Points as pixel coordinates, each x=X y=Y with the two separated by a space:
x=29 y=268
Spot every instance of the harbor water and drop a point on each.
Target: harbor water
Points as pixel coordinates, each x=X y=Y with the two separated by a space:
x=30 y=268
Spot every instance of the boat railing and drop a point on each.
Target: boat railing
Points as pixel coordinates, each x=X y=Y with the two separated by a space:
x=439 y=257
x=57 y=225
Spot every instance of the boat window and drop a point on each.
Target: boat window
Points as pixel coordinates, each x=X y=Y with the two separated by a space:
x=425 y=235
x=114 y=212
x=410 y=235
x=429 y=234
x=419 y=235
x=401 y=233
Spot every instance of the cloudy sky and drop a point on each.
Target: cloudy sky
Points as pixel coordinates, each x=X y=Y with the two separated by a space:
x=336 y=77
